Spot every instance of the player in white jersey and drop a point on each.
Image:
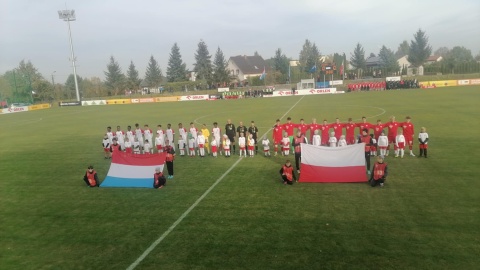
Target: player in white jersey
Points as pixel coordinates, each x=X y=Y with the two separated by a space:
x=242 y=145
x=191 y=145
x=251 y=145
x=128 y=145
x=147 y=147
x=181 y=145
x=159 y=142
x=332 y=141
x=285 y=144
x=170 y=134
x=194 y=132
x=214 y=148
x=139 y=135
x=110 y=135
x=216 y=131
x=226 y=145
x=423 y=140
x=201 y=143
x=400 y=143
x=130 y=134
x=342 y=142
x=382 y=144
x=316 y=139
x=147 y=132
x=266 y=146
x=120 y=135
x=106 y=146
x=160 y=131
x=182 y=132
x=136 y=146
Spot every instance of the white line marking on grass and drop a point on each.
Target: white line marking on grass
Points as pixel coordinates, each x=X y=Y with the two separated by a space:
x=180 y=219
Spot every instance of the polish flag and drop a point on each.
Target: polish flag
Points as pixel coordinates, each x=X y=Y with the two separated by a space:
x=133 y=170
x=333 y=164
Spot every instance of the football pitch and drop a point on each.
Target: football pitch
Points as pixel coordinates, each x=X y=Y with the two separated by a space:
x=226 y=213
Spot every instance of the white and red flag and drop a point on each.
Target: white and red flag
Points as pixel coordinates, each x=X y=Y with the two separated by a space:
x=333 y=164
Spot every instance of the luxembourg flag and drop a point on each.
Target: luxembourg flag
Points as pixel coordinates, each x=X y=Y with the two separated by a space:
x=333 y=164
x=132 y=170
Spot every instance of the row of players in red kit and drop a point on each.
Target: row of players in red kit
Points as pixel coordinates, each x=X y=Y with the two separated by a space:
x=338 y=129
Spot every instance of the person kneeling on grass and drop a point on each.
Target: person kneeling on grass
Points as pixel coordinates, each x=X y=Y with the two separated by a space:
x=159 y=180
x=288 y=173
x=90 y=177
x=380 y=172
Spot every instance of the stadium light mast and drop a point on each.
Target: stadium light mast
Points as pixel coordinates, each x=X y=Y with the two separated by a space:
x=69 y=15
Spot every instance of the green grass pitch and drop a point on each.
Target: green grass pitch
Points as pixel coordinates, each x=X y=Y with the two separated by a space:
x=426 y=217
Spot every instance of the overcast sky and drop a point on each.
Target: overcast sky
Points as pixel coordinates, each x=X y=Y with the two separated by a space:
x=134 y=30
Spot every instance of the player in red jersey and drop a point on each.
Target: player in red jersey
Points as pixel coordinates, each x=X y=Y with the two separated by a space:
x=350 y=131
x=337 y=128
x=377 y=129
x=302 y=127
x=277 y=135
x=408 y=133
x=325 y=128
x=392 y=133
x=312 y=127
x=364 y=125
x=289 y=129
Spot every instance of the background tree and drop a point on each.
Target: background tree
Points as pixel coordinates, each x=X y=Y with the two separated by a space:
x=203 y=63
x=357 y=59
x=388 y=60
x=26 y=84
x=70 y=91
x=280 y=66
x=220 y=72
x=309 y=56
x=420 y=50
x=5 y=89
x=403 y=49
x=371 y=55
x=457 y=59
x=176 y=69
x=94 y=88
x=442 y=51
x=133 y=81
x=114 y=78
x=153 y=74
x=477 y=57
x=460 y=54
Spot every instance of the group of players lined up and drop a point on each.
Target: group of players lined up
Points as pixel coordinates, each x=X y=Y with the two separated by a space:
x=190 y=142
x=331 y=134
x=195 y=141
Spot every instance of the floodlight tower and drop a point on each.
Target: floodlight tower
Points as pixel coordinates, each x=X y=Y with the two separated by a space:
x=69 y=15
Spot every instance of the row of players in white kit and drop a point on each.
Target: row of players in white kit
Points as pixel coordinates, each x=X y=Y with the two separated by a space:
x=139 y=141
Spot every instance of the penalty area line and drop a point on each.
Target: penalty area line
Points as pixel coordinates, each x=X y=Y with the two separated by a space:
x=185 y=214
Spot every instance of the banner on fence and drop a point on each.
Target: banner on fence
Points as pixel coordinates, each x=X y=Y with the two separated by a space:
x=118 y=101
x=15 y=109
x=94 y=102
x=474 y=81
x=303 y=92
x=223 y=89
x=193 y=97
x=69 y=103
x=142 y=100
x=39 y=106
x=166 y=99
x=393 y=79
x=337 y=82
